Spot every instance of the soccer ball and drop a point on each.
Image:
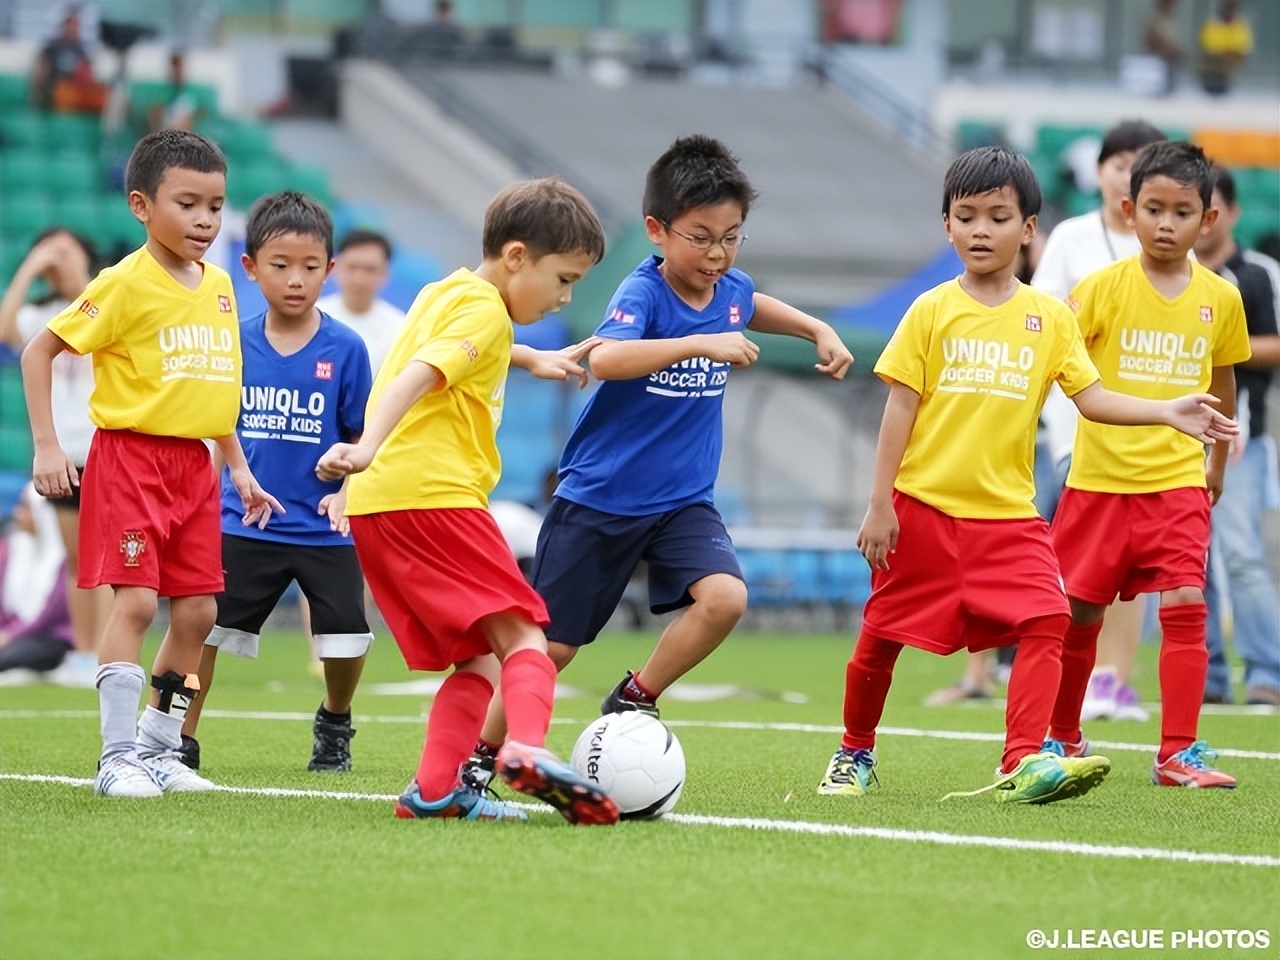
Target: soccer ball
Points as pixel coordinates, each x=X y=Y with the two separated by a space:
x=635 y=759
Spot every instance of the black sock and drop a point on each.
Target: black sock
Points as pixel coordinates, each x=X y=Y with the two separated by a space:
x=328 y=717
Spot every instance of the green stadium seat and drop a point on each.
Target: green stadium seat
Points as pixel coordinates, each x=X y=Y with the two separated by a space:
x=23 y=128
x=23 y=216
x=74 y=174
x=218 y=129
x=247 y=182
x=1052 y=139
x=11 y=257
x=1080 y=203
x=73 y=131
x=22 y=169
x=14 y=92
x=83 y=214
x=311 y=180
x=971 y=134
x=119 y=225
x=249 y=142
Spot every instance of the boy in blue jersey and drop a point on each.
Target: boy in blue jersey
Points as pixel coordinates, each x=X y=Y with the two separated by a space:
x=306 y=382
x=638 y=472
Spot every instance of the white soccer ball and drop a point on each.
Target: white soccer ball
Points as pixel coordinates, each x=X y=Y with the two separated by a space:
x=635 y=759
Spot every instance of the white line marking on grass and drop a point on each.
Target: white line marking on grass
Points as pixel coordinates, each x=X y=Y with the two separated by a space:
x=826 y=729
x=791 y=826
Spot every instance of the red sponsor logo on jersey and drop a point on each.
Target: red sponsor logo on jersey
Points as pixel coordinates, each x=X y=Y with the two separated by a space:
x=133 y=545
x=469 y=349
x=735 y=314
x=88 y=308
x=1033 y=323
x=224 y=303
x=324 y=369
x=1206 y=314
x=621 y=317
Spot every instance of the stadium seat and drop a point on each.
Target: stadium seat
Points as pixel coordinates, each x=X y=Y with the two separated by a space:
x=73 y=174
x=73 y=131
x=83 y=214
x=248 y=142
x=23 y=128
x=23 y=216
x=247 y=182
x=22 y=169
x=1052 y=139
x=311 y=180
x=14 y=92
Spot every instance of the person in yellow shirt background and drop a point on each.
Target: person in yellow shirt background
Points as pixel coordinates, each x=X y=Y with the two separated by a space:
x=163 y=332
x=1226 y=40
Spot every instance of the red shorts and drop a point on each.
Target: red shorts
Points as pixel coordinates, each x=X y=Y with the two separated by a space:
x=1131 y=543
x=435 y=575
x=149 y=515
x=956 y=583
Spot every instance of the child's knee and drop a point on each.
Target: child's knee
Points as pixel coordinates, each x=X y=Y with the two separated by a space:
x=191 y=618
x=137 y=606
x=721 y=597
x=1181 y=596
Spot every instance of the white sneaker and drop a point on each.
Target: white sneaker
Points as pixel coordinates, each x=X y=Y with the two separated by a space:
x=123 y=776
x=173 y=776
x=1100 y=696
x=78 y=670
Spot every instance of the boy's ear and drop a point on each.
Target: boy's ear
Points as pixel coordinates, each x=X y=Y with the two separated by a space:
x=329 y=269
x=946 y=226
x=1029 y=227
x=1130 y=211
x=250 y=268
x=1209 y=219
x=139 y=206
x=655 y=230
x=515 y=254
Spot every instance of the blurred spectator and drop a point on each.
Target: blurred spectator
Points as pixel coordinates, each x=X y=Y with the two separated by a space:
x=1162 y=40
x=1226 y=40
x=63 y=75
x=64 y=262
x=35 y=627
x=361 y=271
x=179 y=109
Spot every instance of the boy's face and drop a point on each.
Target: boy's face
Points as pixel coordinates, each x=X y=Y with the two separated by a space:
x=361 y=272
x=1168 y=216
x=698 y=247
x=185 y=215
x=1113 y=178
x=987 y=230
x=290 y=268
x=536 y=287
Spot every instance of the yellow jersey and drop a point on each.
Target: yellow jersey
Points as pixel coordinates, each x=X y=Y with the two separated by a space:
x=1148 y=346
x=444 y=451
x=982 y=374
x=166 y=359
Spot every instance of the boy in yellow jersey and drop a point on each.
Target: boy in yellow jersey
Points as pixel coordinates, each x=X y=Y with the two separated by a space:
x=1135 y=515
x=162 y=329
x=959 y=557
x=439 y=569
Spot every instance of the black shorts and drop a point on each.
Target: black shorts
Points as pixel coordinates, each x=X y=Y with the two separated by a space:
x=257 y=574
x=72 y=500
x=585 y=559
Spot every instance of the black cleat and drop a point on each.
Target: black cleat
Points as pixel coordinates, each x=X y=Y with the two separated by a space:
x=618 y=702
x=189 y=752
x=332 y=750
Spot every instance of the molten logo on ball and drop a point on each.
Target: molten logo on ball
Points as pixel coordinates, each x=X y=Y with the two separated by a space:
x=635 y=759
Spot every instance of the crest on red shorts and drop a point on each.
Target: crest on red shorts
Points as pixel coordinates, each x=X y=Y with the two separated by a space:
x=133 y=544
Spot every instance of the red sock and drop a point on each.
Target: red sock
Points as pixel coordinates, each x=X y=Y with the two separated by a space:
x=866 y=687
x=452 y=730
x=1037 y=670
x=1079 y=651
x=528 y=694
x=1184 y=665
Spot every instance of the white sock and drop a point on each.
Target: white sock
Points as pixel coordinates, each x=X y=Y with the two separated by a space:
x=119 y=690
x=158 y=732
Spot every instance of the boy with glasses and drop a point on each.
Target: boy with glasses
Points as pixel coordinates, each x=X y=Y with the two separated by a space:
x=638 y=473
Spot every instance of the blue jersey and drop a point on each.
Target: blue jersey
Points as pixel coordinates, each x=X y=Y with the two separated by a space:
x=653 y=444
x=291 y=410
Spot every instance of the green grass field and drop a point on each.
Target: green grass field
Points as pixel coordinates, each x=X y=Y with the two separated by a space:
x=753 y=863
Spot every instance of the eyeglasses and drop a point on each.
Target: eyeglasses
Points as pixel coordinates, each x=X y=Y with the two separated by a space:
x=728 y=243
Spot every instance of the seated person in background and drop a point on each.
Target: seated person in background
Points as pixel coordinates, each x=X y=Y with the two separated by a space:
x=179 y=109
x=63 y=77
x=35 y=625
x=1226 y=40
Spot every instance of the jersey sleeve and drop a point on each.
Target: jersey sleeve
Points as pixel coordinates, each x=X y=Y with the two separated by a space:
x=904 y=358
x=1073 y=368
x=460 y=341
x=357 y=380
x=1084 y=303
x=629 y=314
x=89 y=322
x=1231 y=345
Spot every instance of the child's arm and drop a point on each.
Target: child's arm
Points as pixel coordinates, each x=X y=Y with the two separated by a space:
x=878 y=535
x=632 y=359
x=410 y=385
x=52 y=471
x=774 y=316
x=555 y=364
x=43 y=255
x=1190 y=414
x=258 y=504
x=1221 y=384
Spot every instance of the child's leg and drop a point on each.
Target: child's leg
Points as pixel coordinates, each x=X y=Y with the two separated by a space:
x=208 y=663
x=341 y=677
x=190 y=620
x=1184 y=665
x=494 y=731
x=718 y=604
x=866 y=688
x=1037 y=670
x=1078 y=650
x=120 y=677
x=453 y=725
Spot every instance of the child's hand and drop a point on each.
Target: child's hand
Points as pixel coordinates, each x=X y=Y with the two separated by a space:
x=258 y=504
x=1194 y=417
x=334 y=505
x=878 y=536
x=46 y=254
x=834 y=358
x=563 y=363
x=343 y=459
x=53 y=473
x=732 y=348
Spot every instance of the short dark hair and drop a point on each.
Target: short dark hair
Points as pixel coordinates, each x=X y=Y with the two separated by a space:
x=361 y=237
x=1178 y=160
x=987 y=169
x=1128 y=136
x=157 y=152
x=694 y=172
x=1224 y=183
x=289 y=212
x=547 y=215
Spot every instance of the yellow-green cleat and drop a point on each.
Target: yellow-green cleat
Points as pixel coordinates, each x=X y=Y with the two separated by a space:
x=849 y=773
x=1045 y=778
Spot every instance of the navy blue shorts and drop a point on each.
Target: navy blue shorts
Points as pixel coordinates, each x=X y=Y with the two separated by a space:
x=585 y=559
